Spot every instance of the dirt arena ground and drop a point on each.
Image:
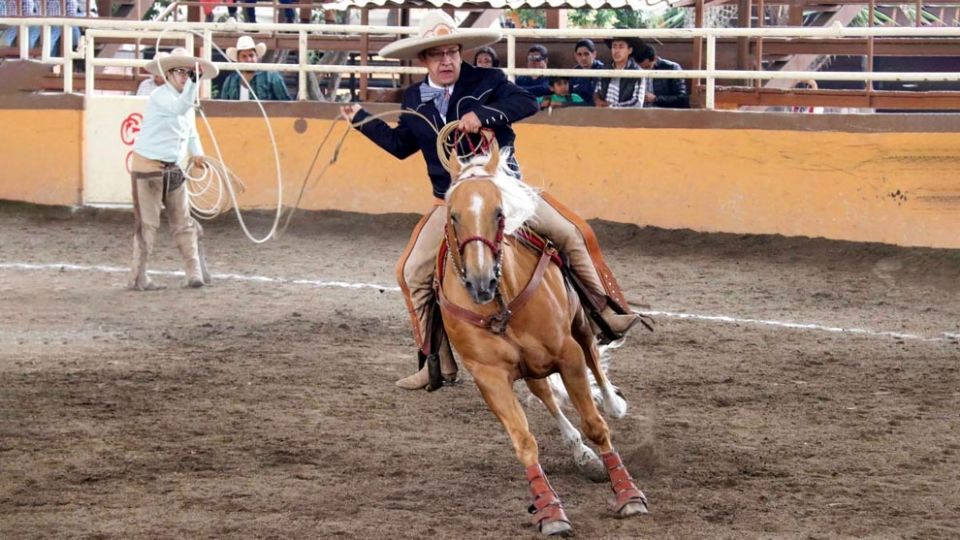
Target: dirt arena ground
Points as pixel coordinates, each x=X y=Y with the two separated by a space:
x=266 y=409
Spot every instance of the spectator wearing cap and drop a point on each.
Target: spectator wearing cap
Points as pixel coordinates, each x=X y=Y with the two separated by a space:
x=621 y=92
x=486 y=57
x=586 y=54
x=537 y=85
x=666 y=93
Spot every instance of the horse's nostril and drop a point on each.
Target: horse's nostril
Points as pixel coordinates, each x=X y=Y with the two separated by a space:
x=469 y=284
x=493 y=284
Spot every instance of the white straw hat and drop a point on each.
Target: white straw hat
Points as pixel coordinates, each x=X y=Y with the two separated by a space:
x=436 y=29
x=177 y=58
x=245 y=43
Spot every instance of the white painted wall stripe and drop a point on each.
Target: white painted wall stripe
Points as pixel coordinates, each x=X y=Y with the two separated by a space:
x=725 y=319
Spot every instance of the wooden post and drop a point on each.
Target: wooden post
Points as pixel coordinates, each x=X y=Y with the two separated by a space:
x=759 y=49
x=743 y=43
x=364 y=51
x=796 y=15
x=697 y=53
x=869 y=84
x=556 y=18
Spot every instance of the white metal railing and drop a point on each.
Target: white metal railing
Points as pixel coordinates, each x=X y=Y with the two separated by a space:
x=188 y=31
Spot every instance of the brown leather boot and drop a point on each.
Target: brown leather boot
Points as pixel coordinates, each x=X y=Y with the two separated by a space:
x=417 y=381
x=619 y=324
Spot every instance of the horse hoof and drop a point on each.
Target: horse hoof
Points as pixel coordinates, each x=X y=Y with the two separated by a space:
x=632 y=509
x=556 y=528
x=592 y=468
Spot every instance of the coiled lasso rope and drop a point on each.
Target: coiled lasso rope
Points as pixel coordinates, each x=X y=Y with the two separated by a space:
x=215 y=188
x=207 y=189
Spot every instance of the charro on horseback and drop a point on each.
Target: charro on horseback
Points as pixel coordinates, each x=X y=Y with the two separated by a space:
x=474 y=98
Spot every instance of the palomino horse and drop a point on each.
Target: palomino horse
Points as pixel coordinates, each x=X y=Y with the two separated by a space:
x=509 y=313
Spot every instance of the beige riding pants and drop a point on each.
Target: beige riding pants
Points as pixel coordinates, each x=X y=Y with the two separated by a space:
x=148 y=200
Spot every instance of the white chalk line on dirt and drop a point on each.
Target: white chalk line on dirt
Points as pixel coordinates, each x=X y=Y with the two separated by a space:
x=180 y=273
x=944 y=336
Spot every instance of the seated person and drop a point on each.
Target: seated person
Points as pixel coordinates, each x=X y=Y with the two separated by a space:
x=667 y=93
x=536 y=85
x=266 y=85
x=586 y=54
x=486 y=57
x=561 y=97
x=621 y=92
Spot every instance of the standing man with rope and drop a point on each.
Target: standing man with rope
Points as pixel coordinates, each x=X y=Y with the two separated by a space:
x=167 y=145
x=475 y=98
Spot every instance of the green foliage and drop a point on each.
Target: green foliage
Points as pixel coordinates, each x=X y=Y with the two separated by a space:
x=533 y=18
x=625 y=18
x=882 y=19
x=154 y=10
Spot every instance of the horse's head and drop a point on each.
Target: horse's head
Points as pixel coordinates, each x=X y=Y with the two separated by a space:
x=475 y=225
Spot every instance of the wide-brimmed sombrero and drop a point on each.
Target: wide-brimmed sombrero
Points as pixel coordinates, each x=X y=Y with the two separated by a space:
x=179 y=57
x=246 y=43
x=436 y=29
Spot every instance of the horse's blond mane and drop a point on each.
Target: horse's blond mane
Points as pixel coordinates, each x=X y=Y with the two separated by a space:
x=519 y=200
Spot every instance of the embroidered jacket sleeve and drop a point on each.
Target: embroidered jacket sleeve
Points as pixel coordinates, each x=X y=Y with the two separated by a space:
x=399 y=141
x=507 y=104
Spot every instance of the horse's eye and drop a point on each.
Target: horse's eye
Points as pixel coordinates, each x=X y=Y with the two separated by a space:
x=498 y=214
x=455 y=218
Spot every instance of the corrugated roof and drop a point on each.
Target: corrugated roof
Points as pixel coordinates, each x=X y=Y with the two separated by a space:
x=493 y=4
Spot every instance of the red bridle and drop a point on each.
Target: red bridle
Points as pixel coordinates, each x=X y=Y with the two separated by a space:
x=494 y=245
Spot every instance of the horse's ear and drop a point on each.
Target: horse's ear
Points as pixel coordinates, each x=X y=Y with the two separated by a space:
x=494 y=162
x=455 y=166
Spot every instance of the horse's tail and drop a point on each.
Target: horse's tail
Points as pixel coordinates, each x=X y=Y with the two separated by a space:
x=605 y=394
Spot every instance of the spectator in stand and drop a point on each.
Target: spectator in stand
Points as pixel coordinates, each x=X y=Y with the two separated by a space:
x=265 y=85
x=537 y=85
x=666 y=93
x=249 y=13
x=808 y=84
x=586 y=53
x=29 y=8
x=74 y=8
x=621 y=92
x=561 y=97
x=486 y=57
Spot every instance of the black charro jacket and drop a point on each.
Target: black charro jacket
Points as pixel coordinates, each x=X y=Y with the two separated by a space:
x=485 y=91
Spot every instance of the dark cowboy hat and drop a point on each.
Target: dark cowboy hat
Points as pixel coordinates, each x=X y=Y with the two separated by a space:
x=635 y=43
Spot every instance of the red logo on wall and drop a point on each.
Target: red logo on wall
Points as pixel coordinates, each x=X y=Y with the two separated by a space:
x=130 y=128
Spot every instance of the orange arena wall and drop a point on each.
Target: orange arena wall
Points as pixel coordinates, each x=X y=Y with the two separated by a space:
x=41 y=149
x=875 y=178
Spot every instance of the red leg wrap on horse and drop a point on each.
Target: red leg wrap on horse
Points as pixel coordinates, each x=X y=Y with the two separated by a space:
x=546 y=504
x=624 y=489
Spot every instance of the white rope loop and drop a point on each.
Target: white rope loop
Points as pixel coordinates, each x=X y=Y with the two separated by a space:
x=206 y=190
